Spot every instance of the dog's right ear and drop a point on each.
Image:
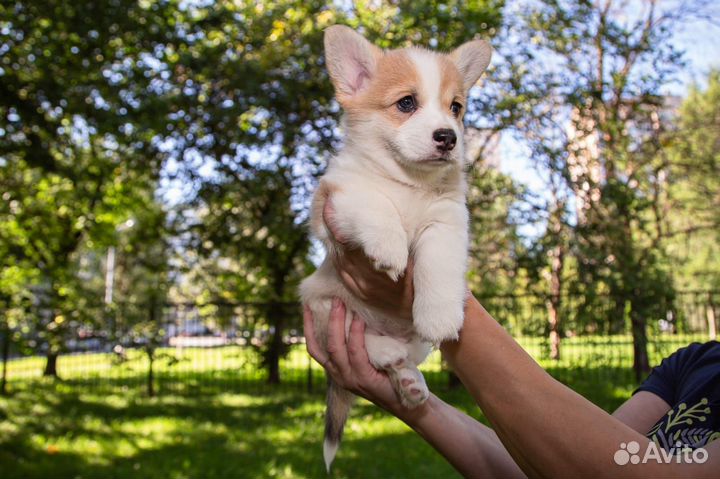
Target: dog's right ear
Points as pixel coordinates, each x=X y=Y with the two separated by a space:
x=350 y=59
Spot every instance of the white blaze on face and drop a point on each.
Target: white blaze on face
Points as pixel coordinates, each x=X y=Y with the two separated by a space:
x=433 y=96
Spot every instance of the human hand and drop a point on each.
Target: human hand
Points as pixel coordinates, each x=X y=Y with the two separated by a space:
x=360 y=277
x=346 y=359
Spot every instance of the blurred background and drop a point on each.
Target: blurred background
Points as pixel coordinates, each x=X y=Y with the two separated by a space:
x=157 y=159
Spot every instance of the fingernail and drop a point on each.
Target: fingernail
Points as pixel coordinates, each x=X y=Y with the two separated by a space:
x=336 y=303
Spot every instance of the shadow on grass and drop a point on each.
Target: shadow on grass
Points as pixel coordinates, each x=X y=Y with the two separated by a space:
x=50 y=430
x=53 y=430
x=108 y=428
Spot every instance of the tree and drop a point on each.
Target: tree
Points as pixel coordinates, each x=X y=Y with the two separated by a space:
x=592 y=74
x=693 y=150
x=143 y=283
x=74 y=88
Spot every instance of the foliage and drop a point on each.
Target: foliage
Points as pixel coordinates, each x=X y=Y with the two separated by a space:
x=693 y=150
x=495 y=244
x=78 y=155
x=592 y=113
x=207 y=125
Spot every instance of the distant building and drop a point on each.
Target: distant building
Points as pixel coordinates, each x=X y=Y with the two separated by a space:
x=586 y=164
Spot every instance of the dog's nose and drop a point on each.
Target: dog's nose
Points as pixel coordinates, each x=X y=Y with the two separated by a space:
x=445 y=139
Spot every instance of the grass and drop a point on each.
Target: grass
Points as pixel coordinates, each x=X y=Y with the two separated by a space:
x=215 y=416
x=50 y=429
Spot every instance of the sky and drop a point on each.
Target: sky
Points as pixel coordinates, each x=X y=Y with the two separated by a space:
x=700 y=42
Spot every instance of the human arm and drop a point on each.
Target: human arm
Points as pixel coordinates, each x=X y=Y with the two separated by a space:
x=549 y=430
x=642 y=411
x=502 y=377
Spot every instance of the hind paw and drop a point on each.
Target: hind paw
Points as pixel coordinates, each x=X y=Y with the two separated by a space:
x=411 y=387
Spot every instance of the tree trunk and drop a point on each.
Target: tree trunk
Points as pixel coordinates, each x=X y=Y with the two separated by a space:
x=641 y=363
x=151 y=374
x=553 y=305
x=274 y=351
x=51 y=365
x=150 y=349
x=5 y=357
x=712 y=323
x=557 y=263
x=554 y=302
x=554 y=338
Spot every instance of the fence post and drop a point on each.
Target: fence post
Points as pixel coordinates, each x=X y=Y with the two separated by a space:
x=5 y=357
x=150 y=348
x=712 y=323
x=309 y=375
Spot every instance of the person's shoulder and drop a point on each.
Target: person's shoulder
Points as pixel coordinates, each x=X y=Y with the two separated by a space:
x=696 y=359
x=693 y=360
x=697 y=351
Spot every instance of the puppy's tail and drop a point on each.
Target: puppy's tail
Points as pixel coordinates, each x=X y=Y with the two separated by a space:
x=339 y=402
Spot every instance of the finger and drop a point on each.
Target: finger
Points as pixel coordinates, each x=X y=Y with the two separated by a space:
x=344 y=265
x=357 y=353
x=337 y=346
x=358 y=262
x=314 y=349
x=409 y=269
x=329 y=219
x=409 y=284
x=349 y=281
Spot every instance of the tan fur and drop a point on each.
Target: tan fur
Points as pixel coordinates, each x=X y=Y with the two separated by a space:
x=396 y=77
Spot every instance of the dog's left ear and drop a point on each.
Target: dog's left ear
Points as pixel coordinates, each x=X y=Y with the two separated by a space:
x=472 y=58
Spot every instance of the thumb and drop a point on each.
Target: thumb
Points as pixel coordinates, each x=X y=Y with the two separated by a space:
x=329 y=219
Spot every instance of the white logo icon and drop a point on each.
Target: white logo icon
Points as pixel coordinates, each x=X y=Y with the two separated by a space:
x=627 y=453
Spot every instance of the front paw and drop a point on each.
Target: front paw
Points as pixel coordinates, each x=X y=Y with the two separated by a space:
x=389 y=256
x=438 y=321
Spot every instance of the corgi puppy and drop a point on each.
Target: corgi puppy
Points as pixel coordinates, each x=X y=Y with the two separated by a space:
x=397 y=189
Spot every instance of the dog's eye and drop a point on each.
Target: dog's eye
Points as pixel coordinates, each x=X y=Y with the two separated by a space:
x=455 y=108
x=406 y=104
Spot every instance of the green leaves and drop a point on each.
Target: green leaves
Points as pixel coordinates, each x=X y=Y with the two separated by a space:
x=75 y=159
x=693 y=154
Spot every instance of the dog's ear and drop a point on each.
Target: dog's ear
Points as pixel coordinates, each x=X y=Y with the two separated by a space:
x=472 y=58
x=351 y=60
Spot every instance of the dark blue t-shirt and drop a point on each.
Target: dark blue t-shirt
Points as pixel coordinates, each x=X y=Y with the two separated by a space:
x=689 y=381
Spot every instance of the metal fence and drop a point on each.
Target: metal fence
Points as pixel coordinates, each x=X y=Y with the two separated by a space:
x=228 y=347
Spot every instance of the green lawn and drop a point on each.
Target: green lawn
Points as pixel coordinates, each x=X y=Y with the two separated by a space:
x=98 y=421
x=53 y=430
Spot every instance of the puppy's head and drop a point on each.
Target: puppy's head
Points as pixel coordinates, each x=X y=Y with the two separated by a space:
x=409 y=101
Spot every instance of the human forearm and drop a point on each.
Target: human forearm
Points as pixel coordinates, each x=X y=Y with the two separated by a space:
x=472 y=448
x=548 y=429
